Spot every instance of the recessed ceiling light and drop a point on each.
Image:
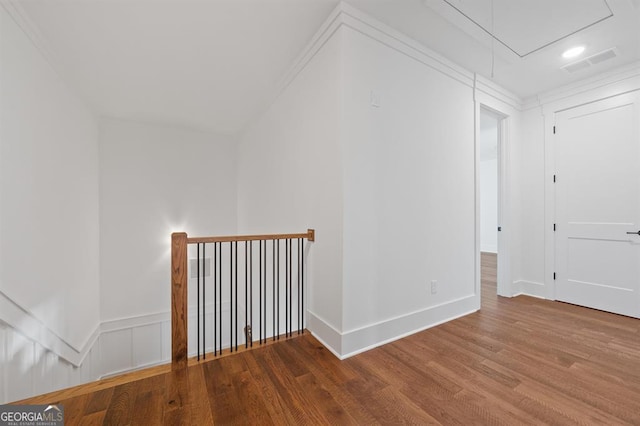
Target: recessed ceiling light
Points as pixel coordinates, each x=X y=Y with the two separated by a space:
x=573 y=52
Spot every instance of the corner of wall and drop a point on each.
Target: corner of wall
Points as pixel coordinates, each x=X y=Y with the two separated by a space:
x=325 y=333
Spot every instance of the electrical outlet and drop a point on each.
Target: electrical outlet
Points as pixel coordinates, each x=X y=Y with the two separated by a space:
x=434 y=286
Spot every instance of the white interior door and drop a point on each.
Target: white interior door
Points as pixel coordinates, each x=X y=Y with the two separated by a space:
x=598 y=205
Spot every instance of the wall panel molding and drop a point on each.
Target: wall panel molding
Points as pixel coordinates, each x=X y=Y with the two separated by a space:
x=25 y=322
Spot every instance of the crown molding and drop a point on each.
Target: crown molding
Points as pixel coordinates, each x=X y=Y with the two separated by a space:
x=16 y=11
x=489 y=88
x=345 y=15
x=599 y=81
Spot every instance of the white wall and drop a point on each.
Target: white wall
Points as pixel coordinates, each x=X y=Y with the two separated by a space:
x=408 y=193
x=532 y=169
x=49 y=253
x=154 y=180
x=404 y=172
x=488 y=183
x=289 y=179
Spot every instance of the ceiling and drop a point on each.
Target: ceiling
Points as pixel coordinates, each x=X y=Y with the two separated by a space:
x=523 y=25
x=519 y=29
x=215 y=64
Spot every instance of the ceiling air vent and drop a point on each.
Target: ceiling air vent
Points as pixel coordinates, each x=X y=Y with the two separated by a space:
x=602 y=56
x=591 y=60
x=577 y=66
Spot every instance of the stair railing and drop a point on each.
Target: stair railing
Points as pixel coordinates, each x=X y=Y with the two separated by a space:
x=256 y=278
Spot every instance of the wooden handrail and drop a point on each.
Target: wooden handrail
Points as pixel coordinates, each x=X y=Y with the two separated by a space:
x=309 y=235
x=179 y=281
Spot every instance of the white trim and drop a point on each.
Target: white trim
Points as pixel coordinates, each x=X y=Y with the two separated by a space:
x=327 y=334
x=369 y=26
x=382 y=332
x=132 y=322
x=3 y=363
x=16 y=11
x=506 y=220
x=628 y=72
x=31 y=327
x=136 y=368
x=348 y=16
x=498 y=93
x=529 y=288
x=549 y=205
x=365 y=338
x=319 y=39
x=489 y=248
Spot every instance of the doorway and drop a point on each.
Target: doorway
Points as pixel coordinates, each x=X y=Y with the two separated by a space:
x=489 y=147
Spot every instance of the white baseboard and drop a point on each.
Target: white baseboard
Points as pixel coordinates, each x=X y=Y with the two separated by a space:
x=528 y=288
x=353 y=342
x=489 y=249
x=325 y=333
x=371 y=336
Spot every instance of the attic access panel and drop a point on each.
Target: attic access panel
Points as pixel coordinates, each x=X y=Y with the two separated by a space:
x=526 y=26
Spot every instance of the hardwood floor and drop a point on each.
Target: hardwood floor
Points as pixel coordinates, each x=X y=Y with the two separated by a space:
x=517 y=361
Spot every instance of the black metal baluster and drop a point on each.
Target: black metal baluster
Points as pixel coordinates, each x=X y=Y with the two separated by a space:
x=278 y=290
x=260 y=286
x=220 y=297
x=251 y=290
x=230 y=296
x=236 y=288
x=198 y=299
x=286 y=288
x=302 y=275
x=264 y=308
x=215 y=298
x=204 y=302
x=290 y=290
x=298 y=258
x=246 y=295
x=273 y=287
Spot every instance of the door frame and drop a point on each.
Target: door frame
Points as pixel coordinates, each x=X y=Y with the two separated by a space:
x=503 y=289
x=507 y=106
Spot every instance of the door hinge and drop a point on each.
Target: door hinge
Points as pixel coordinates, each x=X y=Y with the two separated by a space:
x=499 y=228
x=554 y=130
x=554 y=275
x=554 y=178
x=554 y=227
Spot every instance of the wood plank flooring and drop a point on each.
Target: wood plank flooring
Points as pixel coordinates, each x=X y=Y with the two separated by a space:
x=517 y=361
